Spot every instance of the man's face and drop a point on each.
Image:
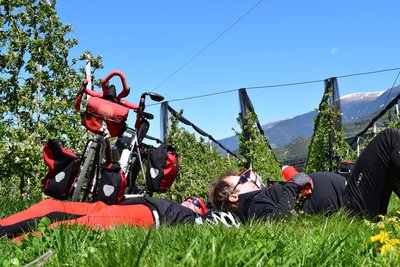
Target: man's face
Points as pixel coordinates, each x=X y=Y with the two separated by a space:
x=188 y=203
x=241 y=186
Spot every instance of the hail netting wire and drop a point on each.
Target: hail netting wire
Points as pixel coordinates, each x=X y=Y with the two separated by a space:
x=198 y=130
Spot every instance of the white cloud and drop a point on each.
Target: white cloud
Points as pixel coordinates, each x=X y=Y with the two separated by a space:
x=333 y=50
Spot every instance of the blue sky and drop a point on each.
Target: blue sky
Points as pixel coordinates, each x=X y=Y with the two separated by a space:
x=186 y=48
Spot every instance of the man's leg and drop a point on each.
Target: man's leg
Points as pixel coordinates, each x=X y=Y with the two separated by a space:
x=373 y=178
x=53 y=209
x=115 y=215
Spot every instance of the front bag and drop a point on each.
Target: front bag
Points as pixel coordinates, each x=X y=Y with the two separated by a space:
x=99 y=110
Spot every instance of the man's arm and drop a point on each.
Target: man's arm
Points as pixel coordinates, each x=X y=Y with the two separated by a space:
x=275 y=203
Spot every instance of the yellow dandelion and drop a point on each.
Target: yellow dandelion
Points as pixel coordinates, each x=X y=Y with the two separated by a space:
x=386 y=248
x=381 y=237
x=393 y=241
x=392 y=219
x=382 y=217
x=398 y=212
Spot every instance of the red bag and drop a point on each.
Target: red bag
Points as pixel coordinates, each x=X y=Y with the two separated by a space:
x=63 y=165
x=162 y=168
x=113 y=114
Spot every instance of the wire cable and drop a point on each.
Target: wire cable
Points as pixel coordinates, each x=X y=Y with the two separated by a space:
x=209 y=44
x=282 y=85
x=367 y=73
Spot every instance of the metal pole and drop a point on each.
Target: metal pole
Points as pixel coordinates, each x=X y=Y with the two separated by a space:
x=88 y=73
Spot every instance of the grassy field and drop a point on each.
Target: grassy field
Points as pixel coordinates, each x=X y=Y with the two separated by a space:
x=305 y=241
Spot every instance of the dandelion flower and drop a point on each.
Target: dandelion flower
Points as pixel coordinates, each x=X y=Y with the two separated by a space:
x=382 y=237
x=393 y=241
x=386 y=248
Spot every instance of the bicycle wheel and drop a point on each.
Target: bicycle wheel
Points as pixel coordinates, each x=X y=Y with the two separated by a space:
x=131 y=174
x=81 y=192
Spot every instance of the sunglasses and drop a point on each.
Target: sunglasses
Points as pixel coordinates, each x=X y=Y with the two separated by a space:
x=242 y=180
x=244 y=177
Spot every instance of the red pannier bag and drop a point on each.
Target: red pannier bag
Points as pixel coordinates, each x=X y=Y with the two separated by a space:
x=63 y=165
x=162 y=168
x=113 y=114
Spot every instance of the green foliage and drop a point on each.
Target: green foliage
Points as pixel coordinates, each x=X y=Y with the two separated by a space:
x=325 y=130
x=200 y=163
x=391 y=120
x=38 y=84
x=254 y=150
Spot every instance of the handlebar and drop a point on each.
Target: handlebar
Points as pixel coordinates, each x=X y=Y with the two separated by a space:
x=139 y=109
x=79 y=95
x=87 y=90
x=125 y=88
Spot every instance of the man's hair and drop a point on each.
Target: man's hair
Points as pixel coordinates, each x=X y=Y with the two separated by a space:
x=220 y=190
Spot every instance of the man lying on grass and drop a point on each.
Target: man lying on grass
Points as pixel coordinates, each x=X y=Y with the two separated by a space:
x=139 y=211
x=376 y=174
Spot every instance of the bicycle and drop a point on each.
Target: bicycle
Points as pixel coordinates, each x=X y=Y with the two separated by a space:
x=85 y=185
x=131 y=154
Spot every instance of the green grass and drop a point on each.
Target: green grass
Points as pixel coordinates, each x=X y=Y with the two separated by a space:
x=306 y=241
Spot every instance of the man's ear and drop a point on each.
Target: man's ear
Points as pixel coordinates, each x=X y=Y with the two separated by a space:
x=233 y=198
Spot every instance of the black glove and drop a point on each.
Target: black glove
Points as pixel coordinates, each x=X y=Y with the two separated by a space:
x=301 y=179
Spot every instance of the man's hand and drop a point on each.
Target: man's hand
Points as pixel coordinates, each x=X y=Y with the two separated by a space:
x=304 y=182
x=301 y=179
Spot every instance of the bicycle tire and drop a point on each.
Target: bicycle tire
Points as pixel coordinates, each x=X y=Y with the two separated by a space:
x=133 y=170
x=89 y=188
x=90 y=153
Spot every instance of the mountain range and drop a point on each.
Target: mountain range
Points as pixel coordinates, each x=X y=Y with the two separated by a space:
x=357 y=108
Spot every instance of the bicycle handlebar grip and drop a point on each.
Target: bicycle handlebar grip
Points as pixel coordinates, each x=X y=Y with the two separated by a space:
x=93 y=93
x=139 y=111
x=80 y=94
x=125 y=88
x=129 y=105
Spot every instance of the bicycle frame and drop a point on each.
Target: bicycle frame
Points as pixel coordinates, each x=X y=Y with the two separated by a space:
x=128 y=164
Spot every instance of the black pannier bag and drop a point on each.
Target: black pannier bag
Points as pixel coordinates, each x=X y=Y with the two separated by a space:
x=63 y=165
x=162 y=168
x=112 y=185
